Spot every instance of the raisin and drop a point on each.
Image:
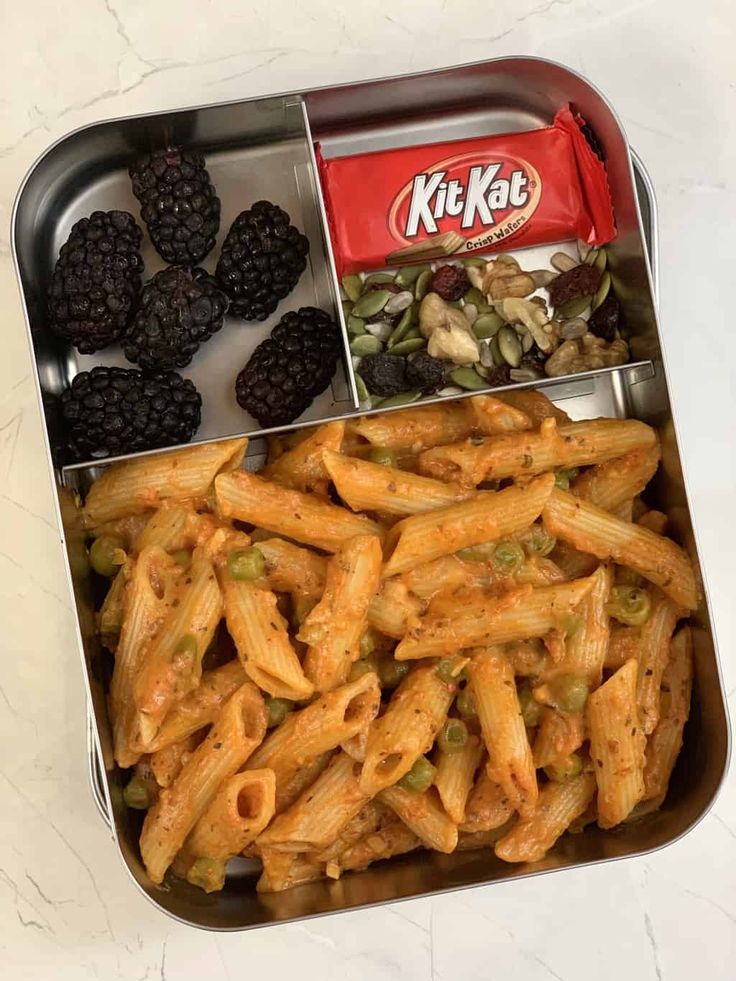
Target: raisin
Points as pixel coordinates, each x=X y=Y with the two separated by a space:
x=450 y=282
x=383 y=374
x=605 y=321
x=581 y=280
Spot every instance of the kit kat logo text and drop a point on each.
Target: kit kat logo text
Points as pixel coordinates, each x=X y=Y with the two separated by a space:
x=484 y=201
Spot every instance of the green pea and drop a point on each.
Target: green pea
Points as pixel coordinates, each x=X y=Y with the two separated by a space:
x=246 y=564
x=464 y=703
x=364 y=665
x=207 y=873
x=187 y=647
x=539 y=542
x=106 y=555
x=531 y=710
x=453 y=736
x=137 y=794
x=182 y=557
x=420 y=777
x=278 y=709
x=392 y=672
x=382 y=455
x=508 y=556
x=630 y=605
x=565 y=769
x=447 y=670
x=570 y=692
x=563 y=477
x=570 y=623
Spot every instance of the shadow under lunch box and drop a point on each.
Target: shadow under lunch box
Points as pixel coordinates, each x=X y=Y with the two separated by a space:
x=264 y=148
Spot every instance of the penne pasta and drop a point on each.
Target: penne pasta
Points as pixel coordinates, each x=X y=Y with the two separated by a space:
x=200 y=707
x=288 y=791
x=302 y=467
x=172 y=664
x=558 y=806
x=616 y=745
x=535 y=404
x=446 y=574
x=492 y=416
x=573 y=444
x=488 y=807
x=330 y=720
x=238 y=814
x=586 y=647
x=166 y=764
x=364 y=823
x=454 y=777
x=237 y=731
x=407 y=729
x=654 y=650
x=486 y=516
x=393 y=611
x=112 y=612
x=365 y=486
x=510 y=763
x=612 y=484
x=333 y=629
x=393 y=838
x=665 y=742
x=288 y=512
x=180 y=476
x=284 y=870
x=487 y=618
x=623 y=643
x=592 y=530
x=177 y=528
x=148 y=599
x=262 y=639
x=424 y=816
x=558 y=735
x=321 y=813
x=416 y=429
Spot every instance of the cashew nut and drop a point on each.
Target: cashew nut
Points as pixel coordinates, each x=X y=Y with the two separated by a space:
x=448 y=331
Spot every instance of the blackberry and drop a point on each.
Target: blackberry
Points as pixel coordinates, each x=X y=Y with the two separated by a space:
x=179 y=203
x=96 y=280
x=290 y=368
x=180 y=309
x=383 y=374
x=108 y=411
x=261 y=261
x=425 y=373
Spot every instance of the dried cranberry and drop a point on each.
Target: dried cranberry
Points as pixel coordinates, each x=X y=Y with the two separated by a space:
x=499 y=376
x=604 y=321
x=450 y=282
x=582 y=280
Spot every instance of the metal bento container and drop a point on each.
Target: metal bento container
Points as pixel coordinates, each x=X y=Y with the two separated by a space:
x=271 y=139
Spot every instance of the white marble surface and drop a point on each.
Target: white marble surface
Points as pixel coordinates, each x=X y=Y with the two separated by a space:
x=67 y=910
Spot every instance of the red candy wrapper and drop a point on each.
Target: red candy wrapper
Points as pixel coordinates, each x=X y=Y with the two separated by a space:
x=488 y=194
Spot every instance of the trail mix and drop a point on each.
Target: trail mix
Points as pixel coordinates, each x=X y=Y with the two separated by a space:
x=473 y=323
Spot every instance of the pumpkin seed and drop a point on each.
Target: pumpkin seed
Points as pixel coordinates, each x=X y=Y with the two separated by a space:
x=356 y=326
x=408 y=275
x=584 y=250
x=399 y=302
x=353 y=286
x=471 y=312
x=525 y=374
x=468 y=378
x=487 y=325
x=573 y=308
x=403 y=399
x=475 y=297
x=601 y=260
x=572 y=329
x=486 y=358
x=498 y=358
x=371 y=303
x=366 y=344
x=509 y=345
x=409 y=345
x=562 y=262
x=542 y=277
x=473 y=261
x=483 y=371
x=347 y=308
x=363 y=394
x=527 y=343
x=602 y=292
x=422 y=284
x=591 y=258
x=378 y=278
x=401 y=329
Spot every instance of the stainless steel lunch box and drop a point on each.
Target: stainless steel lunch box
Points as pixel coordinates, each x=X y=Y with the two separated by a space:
x=263 y=148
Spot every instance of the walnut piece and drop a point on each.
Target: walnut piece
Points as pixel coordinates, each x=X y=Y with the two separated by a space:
x=586 y=354
x=448 y=331
x=504 y=277
x=533 y=317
